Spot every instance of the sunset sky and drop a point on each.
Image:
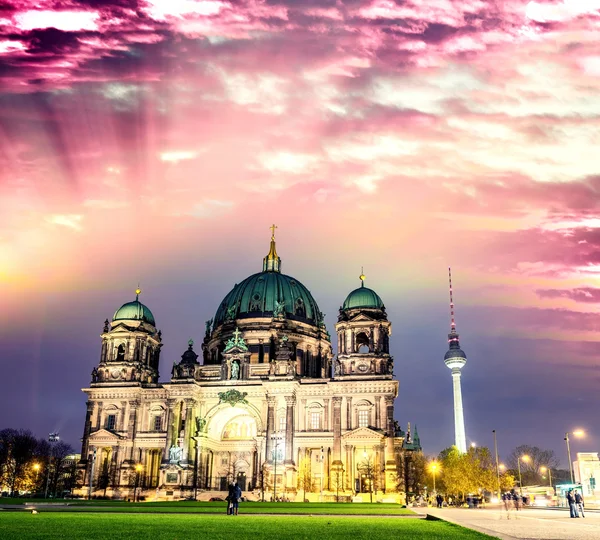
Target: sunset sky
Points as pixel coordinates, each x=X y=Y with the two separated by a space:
x=156 y=141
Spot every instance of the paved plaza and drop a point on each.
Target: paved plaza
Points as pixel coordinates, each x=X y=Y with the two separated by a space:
x=528 y=524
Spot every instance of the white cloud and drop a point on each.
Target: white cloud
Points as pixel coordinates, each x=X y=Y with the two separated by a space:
x=210 y=207
x=175 y=156
x=71 y=221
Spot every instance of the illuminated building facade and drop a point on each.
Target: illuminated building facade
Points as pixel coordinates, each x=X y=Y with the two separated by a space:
x=269 y=406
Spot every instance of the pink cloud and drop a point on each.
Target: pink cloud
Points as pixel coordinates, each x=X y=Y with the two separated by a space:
x=67 y=21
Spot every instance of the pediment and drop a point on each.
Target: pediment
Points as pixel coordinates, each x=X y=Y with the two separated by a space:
x=362 y=433
x=104 y=435
x=236 y=351
x=361 y=317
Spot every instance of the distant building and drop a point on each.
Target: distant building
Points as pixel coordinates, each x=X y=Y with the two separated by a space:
x=269 y=406
x=587 y=473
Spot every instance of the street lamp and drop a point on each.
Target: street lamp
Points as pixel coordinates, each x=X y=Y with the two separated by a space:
x=52 y=438
x=525 y=459
x=577 y=433
x=138 y=469
x=497 y=466
x=544 y=469
x=433 y=467
x=36 y=468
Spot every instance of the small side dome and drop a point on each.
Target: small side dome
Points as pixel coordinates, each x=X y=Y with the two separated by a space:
x=135 y=311
x=189 y=356
x=363 y=297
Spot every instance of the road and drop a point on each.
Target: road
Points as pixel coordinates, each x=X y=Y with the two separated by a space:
x=528 y=524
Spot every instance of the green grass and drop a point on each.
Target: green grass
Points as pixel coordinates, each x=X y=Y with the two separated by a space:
x=93 y=526
x=219 y=507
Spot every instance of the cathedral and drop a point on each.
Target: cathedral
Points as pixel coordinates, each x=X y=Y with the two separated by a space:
x=264 y=402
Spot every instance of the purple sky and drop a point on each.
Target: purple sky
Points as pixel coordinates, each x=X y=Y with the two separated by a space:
x=157 y=141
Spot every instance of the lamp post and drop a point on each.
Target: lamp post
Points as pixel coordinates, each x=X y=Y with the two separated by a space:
x=52 y=438
x=433 y=468
x=497 y=464
x=525 y=459
x=577 y=433
x=138 y=469
x=544 y=469
x=36 y=468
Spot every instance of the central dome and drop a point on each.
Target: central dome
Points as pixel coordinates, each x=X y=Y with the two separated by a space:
x=264 y=294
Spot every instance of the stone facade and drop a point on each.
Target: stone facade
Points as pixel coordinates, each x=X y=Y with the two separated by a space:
x=269 y=407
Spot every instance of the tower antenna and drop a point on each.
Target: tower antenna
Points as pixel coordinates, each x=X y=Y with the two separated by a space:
x=452 y=320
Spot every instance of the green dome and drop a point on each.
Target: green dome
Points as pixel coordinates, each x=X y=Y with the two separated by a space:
x=363 y=297
x=260 y=294
x=134 y=311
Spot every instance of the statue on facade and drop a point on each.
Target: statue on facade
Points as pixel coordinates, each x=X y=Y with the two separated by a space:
x=230 y=315
x=94 y=375
x=338 y=368
x=235 y=371
x=200 y=424
x=208 y=326
x=106 y=326
x=279 y=309
x=175 y=454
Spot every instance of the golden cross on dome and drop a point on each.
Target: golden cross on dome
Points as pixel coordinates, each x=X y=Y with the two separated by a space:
x=237 y=334
x=138 y=291
x=362 y=276
x=273 y=227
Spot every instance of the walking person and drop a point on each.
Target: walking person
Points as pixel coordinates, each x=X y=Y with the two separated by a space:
x=237 y=495
x=230 y=497
x=572 y=504
x=579 y=503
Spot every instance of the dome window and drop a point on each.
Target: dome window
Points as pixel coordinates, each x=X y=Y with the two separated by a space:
x=300 y=309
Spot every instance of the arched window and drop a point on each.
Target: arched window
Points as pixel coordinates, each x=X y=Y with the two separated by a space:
x=362 y=343
x=363 y=413
x=121 y=353
x=314 y=417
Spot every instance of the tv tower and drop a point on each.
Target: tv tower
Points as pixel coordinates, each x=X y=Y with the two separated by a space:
x=455 y=359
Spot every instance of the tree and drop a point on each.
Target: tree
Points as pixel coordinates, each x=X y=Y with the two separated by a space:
x=471 y=472
x=22 y=450
x=530 y=468
x=305 y=482
x=60 y=451
x=507 y=481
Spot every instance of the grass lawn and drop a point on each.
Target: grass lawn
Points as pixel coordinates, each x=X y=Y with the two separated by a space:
x=92 y=526
x=219 y=507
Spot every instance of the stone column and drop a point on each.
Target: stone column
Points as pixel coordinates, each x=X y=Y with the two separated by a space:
x=337 y=432
x=378 y=412
x=87 y=429
x=302 y=415
x=170 y=419
x=289 y=429
x=99 y=415
x=390 y=458
x=349 y=413
x=270 y=427
x=123 y=415
x=326 y=422
x=131 y=428
x=189 y=429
